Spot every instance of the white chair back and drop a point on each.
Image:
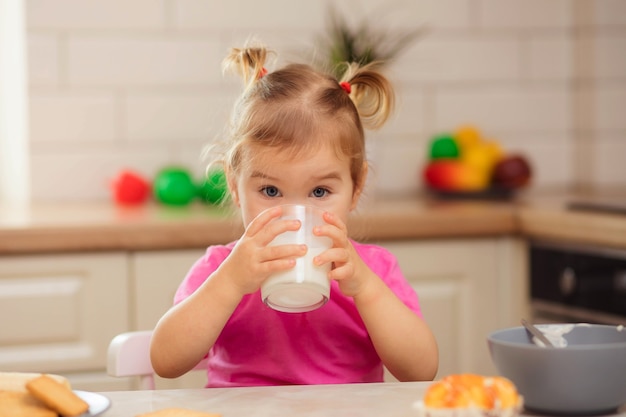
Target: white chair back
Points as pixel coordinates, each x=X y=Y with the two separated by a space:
x=129 y=356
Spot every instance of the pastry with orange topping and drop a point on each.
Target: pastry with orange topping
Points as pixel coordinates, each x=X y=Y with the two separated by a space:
x=464 y=395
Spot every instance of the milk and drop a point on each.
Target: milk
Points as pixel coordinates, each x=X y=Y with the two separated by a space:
x=304 y=287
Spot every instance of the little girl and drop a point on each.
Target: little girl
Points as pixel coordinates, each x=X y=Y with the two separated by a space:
x=296 y=137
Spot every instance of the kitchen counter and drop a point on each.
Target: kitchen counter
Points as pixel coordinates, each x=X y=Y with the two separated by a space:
x=358 y=400
x=42 y=228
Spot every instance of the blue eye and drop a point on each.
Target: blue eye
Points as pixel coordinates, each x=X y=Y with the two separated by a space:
x=320 y=192
x=270 y=191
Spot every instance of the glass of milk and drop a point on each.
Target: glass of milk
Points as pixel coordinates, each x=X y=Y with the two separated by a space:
x=305 y=287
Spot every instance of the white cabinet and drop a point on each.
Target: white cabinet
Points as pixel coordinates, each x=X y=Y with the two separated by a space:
x=59 y=312
x=155 y=277
x=467 y=289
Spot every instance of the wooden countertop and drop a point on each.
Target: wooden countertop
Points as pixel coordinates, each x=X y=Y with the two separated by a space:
x=41 y=228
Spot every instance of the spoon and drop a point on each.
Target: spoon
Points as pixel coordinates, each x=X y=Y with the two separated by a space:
x=537 y=333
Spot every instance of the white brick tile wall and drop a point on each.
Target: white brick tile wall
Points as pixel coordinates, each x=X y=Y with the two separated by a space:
x=170 y=117
x=396 y=167
x=43 y=59
x=87 y=174
x=550 y=57
x=115 y=84
x=610 y=108
x=525 y=14
x=432 y=15
x=609 y=12
x=461 y=58
x=144 y=61
x=610 y=56
x=408 y=118
x=526 y=109
x=248 y=15
x=80 y=118
x=610 y=154
x=106 y=15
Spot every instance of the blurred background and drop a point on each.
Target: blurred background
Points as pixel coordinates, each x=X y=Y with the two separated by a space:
x=115 y=84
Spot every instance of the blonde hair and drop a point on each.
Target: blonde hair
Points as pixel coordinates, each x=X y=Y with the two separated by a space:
x=297 y=109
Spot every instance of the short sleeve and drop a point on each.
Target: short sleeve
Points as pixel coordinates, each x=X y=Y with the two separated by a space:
x=384 y=264
x=201 y=270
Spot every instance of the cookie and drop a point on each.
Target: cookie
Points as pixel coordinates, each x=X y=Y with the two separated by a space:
x=16 y=381
x=57 y=396
x=22 y=404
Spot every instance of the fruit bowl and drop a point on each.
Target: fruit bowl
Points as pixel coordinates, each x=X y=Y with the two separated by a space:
x=464 y=165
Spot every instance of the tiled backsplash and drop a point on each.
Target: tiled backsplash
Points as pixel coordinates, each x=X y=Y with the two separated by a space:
x=137 y=84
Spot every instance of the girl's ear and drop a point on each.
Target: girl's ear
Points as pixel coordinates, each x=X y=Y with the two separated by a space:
x=232 y=187
x=358 y=188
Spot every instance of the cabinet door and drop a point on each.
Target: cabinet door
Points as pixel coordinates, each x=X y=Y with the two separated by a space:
x=156 y=276
x=467 y=288
x=59 y=312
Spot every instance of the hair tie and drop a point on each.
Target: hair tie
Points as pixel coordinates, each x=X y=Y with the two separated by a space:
x=262 y=73
x=346 y=86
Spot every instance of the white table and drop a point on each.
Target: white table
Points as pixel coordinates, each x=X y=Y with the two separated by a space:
x=358 y=400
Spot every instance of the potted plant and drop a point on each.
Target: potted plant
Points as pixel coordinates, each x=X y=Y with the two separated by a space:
x=364 y=43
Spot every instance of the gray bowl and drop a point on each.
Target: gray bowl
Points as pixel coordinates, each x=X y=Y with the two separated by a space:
x=588 y=376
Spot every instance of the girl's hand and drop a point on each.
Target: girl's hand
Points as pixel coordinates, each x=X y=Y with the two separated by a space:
x=402 y=340
x=252 y=261
x=348 y=269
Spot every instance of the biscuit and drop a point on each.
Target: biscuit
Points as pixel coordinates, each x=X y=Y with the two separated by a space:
x=16 y=381
x=22 y=404
x=57 y=396
x=178 y=412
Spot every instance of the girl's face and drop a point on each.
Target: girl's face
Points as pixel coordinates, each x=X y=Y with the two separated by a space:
x=320 y=179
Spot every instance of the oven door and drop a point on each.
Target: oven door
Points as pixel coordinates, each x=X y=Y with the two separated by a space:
x=577 y=284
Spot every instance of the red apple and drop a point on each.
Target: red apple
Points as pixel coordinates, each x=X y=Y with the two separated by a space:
x=512 y=172
x=130 y=188
x=454 y=175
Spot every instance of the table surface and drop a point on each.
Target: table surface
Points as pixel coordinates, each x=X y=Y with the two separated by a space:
x=358 y=400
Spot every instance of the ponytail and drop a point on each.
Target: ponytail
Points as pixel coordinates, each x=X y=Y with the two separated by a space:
x=371 y=92
x=248 y=63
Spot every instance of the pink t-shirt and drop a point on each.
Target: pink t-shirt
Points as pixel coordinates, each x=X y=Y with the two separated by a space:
x=260 y=346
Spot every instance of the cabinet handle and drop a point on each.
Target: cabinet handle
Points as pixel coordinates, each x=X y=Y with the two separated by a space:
x=567 y=281
x=619 y=281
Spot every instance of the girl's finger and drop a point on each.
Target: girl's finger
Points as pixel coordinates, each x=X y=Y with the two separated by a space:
x=260 y=221
x=285 y=251
x=331 y=218
x=267 y=225
x=277 y=227
x=342 y=273
x=334 y=255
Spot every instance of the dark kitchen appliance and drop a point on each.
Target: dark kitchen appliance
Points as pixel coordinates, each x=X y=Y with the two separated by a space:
x=610 y=205
x=577 y=284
